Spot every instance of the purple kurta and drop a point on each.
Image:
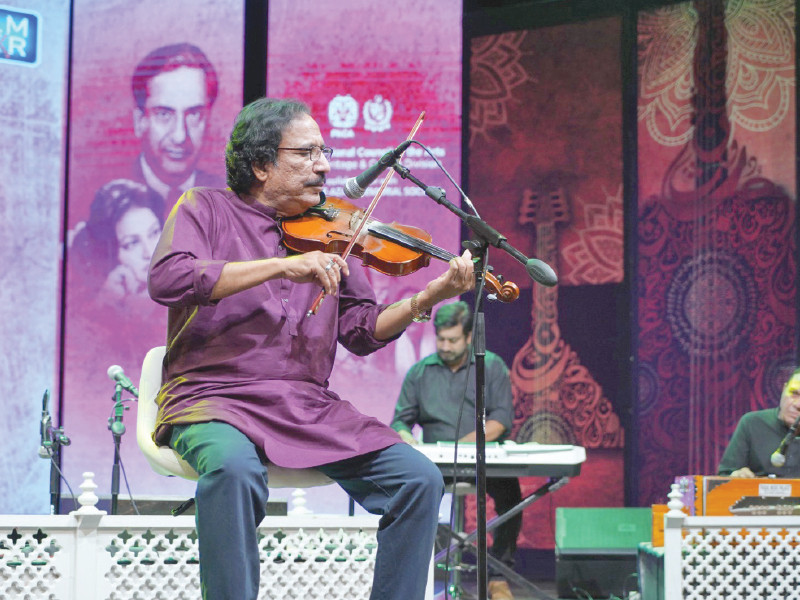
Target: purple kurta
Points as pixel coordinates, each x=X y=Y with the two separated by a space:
x=254 y=359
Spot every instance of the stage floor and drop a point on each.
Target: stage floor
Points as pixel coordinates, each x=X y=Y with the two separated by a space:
x=548 y=589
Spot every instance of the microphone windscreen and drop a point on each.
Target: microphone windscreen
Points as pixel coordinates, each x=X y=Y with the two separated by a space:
x=541 y=272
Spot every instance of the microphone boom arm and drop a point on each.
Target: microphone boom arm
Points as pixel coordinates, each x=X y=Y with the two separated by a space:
x=539 y=271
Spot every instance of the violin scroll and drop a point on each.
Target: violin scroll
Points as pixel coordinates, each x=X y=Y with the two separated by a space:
x=506 y=291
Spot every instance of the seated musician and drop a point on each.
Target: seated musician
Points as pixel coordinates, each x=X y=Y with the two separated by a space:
x=759 y=434
x=431 y=396
x=246 y=371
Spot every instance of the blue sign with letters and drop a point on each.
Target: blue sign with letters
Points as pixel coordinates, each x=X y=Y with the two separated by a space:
x=19 y=36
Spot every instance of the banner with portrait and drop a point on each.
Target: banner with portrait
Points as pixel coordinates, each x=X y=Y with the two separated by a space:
x=155 y=88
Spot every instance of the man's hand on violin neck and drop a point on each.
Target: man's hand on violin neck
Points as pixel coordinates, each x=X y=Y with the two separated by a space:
x=458 y=279
x=316 y=266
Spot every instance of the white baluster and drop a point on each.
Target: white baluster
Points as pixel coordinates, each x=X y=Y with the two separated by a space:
x=299 y=503
x=88 y=499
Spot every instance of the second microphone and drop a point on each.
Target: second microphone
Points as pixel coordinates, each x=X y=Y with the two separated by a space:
x=355 y=187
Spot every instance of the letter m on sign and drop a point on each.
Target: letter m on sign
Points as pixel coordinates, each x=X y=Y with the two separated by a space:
x=19 y=36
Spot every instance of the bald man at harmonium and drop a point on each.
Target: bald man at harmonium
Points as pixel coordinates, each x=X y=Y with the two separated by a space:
x=764 y=442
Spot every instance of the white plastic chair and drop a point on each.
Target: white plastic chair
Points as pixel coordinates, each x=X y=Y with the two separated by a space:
x=166 y=461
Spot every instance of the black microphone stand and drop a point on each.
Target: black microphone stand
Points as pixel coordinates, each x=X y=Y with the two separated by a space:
x=57 y=435
x=485 y=235
x=117 y=428
x=479 y=349
x=53 y=439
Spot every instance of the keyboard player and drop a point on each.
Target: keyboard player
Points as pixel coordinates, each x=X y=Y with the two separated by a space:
x=431 y=397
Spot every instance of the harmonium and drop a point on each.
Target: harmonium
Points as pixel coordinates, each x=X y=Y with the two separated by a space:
x=714 y=495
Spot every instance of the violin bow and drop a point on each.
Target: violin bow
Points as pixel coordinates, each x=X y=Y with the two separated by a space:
x=367 y=214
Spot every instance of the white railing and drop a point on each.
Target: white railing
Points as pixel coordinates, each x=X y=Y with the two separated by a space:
x=732 y=557
x=89 y=555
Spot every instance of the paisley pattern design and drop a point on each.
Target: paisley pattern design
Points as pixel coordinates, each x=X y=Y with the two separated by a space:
x=596 y=257
x=549 y=383
x=759 y=80
x=711 y=303
x=568 y=408
x=716 y=328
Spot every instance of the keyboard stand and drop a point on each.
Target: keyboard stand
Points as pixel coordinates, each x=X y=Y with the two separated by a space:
x=467 y=542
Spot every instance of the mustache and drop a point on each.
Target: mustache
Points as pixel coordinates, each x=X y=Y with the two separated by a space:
x=318 y=182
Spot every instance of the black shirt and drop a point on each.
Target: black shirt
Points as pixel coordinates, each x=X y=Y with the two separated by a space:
x=757 y=436
x=431 y=397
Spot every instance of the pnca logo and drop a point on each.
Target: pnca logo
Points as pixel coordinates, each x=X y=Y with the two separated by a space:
x=19 y=36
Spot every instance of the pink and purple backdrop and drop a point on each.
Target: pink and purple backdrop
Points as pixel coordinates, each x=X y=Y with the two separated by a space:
x=343 y=75
x=33 y=118
x=420 y=71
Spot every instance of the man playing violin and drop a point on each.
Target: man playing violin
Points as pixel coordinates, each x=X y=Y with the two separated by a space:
x=246 y=370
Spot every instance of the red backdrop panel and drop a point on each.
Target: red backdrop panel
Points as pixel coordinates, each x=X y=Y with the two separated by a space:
x=545 y=168
x=715 y=239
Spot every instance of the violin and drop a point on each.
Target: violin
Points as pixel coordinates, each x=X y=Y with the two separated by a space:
x=391 y=249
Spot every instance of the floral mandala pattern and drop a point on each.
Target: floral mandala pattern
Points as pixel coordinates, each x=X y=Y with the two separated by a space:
x=711 y=303
x=760 y=74
x=495 y=70
x=596 y=257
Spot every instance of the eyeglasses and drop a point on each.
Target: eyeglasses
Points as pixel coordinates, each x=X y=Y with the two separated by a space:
x=313 y=152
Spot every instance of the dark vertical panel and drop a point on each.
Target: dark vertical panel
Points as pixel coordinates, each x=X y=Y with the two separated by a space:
x=627 y=313
x=545 y=168
x=255 y=50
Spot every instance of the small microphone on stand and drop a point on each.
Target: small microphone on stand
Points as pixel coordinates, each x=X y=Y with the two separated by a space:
x=778 y=458
x=355 y=187
x=50 y=437
x=116 y=374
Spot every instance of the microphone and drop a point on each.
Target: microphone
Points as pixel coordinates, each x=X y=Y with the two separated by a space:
x=116 y=374
x=355 y=187
x=45 y=444
x=541 y=272
x=778 y=458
